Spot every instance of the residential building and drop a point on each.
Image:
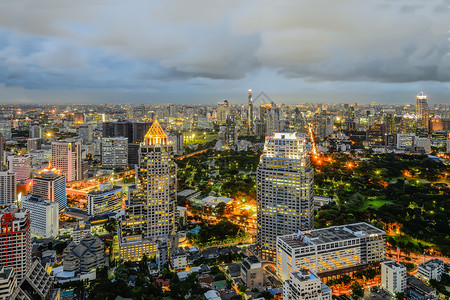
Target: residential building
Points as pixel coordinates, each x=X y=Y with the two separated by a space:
x=8 y=282
x=178 y=259
x=393 y=277
x=106 y=198
x=285 y=191
x=33 y=144
x=305 y=285
x=115 y=152
x=35 y=132
x=15 y=240
x=252 y=272
x=80 y=232
x=431 y=269
x=66 y=157
x=85 y=256
x=44 y=215
x=150 y=209
x=7 y=187
x=331 y=250
x=21 y=165
x=50 y=184
x=423 y=143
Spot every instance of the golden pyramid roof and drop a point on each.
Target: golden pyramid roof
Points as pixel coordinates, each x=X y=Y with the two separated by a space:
x=156 y=135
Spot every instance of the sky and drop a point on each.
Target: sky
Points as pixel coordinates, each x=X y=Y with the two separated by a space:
x=202 y=51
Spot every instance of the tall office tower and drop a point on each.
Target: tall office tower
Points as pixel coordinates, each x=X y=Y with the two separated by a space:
x=389 y=120
x=150 y=208
x=139 y=130
x=35 y=132
x=223 y=111
x=21 y=165
x=7 y=187
x=285 y=191
x=2 y=151
x=305 y=285
x=5 y=130
x=228 y=134
x=250 y=114
x=115 y=152
x=34 y=144
x=44 y=215
x=51 y=184
x=422 y=111
x=66 y=157
x=106 y=199
x=15 y=240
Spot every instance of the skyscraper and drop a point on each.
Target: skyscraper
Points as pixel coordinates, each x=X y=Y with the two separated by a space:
x=115 y=152
x=66 y=157
x=285 y=191
x=49 y=183
x=250 y=114
x=223 y=111
x=7 y=187
x=15 y=240
x=43 y=215
x=150 y=208
x=422 y=110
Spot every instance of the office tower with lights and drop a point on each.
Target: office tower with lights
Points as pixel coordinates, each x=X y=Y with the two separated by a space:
x=66 y=157
x=331 y=250
x=115 y=152
x=50 y=184
x=150 y=208
x=422 y=110
x=44 y=215
x=7 y=187
x=107 y=198
x=223 y=111
x=21 y=165
x=15 y=240
x=285 y=191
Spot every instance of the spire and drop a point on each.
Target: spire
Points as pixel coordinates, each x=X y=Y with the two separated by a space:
x=49 y=162
x=156 y=135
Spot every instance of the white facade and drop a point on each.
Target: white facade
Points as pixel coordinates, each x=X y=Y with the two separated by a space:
x=330 y=250
x=44 y=215
x=115 y=152
x=423 y=143
x=21 y=165
x=431 y=269
x=304 y=285
x=7 y=187
x=66 y=157
x=405 y=140
x=285 y=191
x=393 y=277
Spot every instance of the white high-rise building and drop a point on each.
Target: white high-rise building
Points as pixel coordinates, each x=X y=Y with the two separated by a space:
x=150 y=210
x=66 y=157
x=44 y=215
x=331 y=250
x=115 y=152
x=7 y=187
x=15 y=240
x=285 y=191
x=50 y=184
x=393 y=277
x=305 y=285
x=21 y=165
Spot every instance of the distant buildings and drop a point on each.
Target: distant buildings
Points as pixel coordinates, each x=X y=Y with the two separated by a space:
x=66 y=157
x=223 y=111
x=393 y=277
x=304 y=285
x=115 y=152
x=106 y=198
x=285 y=191
x=44 y=215
x=331 y=250
x=431 y=269
x=7 y=187
x=15 y=240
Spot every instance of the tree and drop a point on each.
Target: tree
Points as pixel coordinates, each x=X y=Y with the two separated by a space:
x=357 y=290
x=111 y=225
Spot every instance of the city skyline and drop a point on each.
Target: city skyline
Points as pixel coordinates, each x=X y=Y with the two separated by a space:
x=202 y=52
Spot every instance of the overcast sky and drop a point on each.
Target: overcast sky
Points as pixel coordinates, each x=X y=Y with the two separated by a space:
x=195 y=51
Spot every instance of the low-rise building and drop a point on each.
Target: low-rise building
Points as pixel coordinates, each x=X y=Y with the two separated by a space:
x=84 y=256
x=252 y=272
x=330 y=250
x=178 y=259
x=393 y=277
x=8 y=282
x=305 y=285
x=431 y=269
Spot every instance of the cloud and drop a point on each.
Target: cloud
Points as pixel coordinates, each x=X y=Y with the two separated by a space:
x=178 y=46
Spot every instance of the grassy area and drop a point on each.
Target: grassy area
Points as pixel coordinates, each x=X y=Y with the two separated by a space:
x=375 y=203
